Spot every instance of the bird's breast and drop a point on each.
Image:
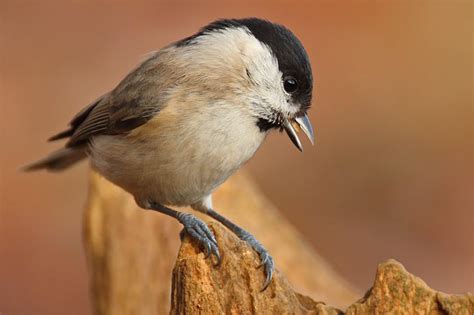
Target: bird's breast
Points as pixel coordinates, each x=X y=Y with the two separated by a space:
x=179 y=156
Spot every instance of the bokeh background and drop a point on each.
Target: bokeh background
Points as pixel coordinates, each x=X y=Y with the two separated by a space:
x=391 y=176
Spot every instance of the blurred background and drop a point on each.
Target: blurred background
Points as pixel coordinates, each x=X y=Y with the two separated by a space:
x=391 y=175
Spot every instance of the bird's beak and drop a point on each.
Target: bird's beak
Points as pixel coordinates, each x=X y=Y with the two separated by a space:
x=294 y=125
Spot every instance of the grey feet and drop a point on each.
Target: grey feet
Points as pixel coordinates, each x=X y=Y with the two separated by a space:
x=266 y=261
x=201 y=233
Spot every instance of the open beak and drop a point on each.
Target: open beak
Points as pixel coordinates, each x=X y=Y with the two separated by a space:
x=294 y=125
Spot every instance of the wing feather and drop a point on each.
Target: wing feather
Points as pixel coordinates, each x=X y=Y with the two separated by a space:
x=132 y=103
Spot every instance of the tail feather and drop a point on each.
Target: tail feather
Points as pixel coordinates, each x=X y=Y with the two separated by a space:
x=62 y=135
x=58 y=160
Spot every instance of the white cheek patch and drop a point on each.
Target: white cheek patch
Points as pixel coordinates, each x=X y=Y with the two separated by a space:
x=262 y=66
x=239 y=46
x=261 y=63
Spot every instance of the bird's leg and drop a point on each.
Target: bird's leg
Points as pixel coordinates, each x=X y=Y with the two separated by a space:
x=194 y=227
x=266 y=259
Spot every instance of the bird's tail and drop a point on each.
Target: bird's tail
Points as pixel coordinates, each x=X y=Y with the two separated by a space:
x=58 y=160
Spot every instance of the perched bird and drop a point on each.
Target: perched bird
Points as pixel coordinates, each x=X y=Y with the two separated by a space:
x=190 y=115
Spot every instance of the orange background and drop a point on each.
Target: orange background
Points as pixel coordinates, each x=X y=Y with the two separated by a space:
x=391 y=174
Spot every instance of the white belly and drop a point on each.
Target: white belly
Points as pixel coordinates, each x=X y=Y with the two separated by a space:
x=178 y=158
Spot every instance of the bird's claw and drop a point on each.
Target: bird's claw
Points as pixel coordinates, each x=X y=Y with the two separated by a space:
x=264 y=258
x=201 y=233
x=268 y=267
x=266 y=261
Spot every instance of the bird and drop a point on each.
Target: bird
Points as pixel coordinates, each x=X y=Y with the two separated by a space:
x=189 y=116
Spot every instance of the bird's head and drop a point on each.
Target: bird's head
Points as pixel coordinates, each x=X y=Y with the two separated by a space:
x=260 y=63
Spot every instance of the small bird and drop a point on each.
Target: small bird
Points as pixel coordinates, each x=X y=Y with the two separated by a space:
x=190 y=115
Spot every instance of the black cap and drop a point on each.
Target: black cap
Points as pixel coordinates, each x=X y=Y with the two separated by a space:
x=293 y=61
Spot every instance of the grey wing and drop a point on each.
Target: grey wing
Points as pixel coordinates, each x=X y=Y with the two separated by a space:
x=76 y=121
x=132 y=103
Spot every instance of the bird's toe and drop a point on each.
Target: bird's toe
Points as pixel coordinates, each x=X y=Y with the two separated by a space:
x=201 y=233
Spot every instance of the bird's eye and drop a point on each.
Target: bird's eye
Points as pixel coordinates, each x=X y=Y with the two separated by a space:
x=290 y=84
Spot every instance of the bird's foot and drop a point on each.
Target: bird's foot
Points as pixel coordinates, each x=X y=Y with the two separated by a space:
x=266 y=261
x=201 y=233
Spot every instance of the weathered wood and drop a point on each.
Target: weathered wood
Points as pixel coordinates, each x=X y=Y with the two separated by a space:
x=234 y=288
